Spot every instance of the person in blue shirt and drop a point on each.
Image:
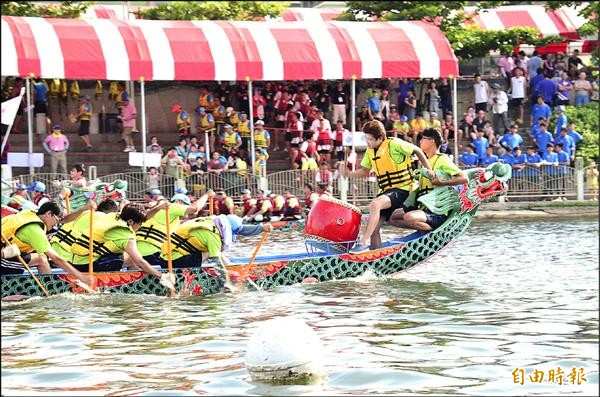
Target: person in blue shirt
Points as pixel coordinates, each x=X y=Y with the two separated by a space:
x=561 y=120
x=504 y=156
x=374 y=104
x=563 y=161
x=518 y=163
x=511 y=139
x=549 y=168
x=481 y=144
x=469 y=159
x=535 y=129
x=540 y=109
x=542 y=139
x=535 y=65
x=576 y=136
x=546 y=88
x=534 y=162
x=489 y=157
x=567 y=143
x=40 y=96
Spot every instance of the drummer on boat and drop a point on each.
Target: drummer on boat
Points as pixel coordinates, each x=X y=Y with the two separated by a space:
x=420 y=218
x=391 y=160
x=26 y=232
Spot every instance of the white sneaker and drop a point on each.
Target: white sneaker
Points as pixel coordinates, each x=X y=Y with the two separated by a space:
x=127 y=149
x=557 y=199
x=565 y=199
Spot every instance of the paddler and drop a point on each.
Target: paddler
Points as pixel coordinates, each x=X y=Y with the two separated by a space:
x=420 y=218
x=152 y=234
x=26 y=232
x=113 y=235
x=206 y=239
x=391 y=160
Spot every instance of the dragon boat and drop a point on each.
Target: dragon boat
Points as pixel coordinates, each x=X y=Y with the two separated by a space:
x=460 y=202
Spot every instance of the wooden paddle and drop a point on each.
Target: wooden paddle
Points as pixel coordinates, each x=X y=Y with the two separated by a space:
x=91 y=249
x=211 y=206
x=169 y=257
x=26 y=267
x=244 y=276
x=67 y=202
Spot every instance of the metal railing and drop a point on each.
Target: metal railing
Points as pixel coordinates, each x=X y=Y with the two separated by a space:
x=546 y=182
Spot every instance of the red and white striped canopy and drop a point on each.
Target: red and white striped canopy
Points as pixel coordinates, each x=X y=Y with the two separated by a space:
x=113 y=49
x=311 y=14
x=563 y=22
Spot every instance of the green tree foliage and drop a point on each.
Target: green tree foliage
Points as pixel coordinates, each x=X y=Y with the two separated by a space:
x=466 y=41
x=66 y=9
x=587 y=123
x=214 y=10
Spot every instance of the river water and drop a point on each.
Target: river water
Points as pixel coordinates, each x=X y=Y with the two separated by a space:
x=506 y=296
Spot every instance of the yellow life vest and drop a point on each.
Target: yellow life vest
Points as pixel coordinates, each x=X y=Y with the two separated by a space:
x=98 y=93
x=230 y=140
x=390 y=175
x=74 y=90
x=425 y=185
x=64 y=91
x=86 y=111
x=113 y=90
x=183 y=242
x=234 y=119
x=154 y=230
x=243 y=128
x=205 y=123
x=80 y=230
x=260 y=139
x=54 y=88
x=12 y=223
x=183 y=122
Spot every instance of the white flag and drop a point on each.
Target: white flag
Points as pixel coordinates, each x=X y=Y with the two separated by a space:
x=10 y=107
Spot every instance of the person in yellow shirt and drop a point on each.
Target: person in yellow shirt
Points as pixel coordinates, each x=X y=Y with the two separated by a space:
x=402 y=128
x=434 y=122
x=85 y=115
x=391 y=160
x=417 y=126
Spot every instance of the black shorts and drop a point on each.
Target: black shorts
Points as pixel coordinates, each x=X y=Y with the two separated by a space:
x=397 y=197
x=481 y=106
x=156 y=260
x=84 y=127
x=106 y=263
x=13 y=266
x=192 y=260
x=245 y=143
x=434 y=220
x=40 y=107
x=517 y=102
x=288 y=137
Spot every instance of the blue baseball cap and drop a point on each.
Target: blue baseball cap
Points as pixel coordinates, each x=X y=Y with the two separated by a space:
x=20 y=186
x=37 y=187
x=181 y=197
x=56 y=127
x=246 y=191
x=154 y=192
x=181 y=190
x=201 y=110
x=403 y=118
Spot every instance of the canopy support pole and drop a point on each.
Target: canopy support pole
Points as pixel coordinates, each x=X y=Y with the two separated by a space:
x=9 y=129
x=353 y=117
x=251 y=118
x=455 y=118
x=143 y=106
x=29 y=125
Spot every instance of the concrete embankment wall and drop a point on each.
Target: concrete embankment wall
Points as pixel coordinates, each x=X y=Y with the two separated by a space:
x=538 y=210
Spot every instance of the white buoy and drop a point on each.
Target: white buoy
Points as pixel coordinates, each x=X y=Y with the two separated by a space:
x=284 y=349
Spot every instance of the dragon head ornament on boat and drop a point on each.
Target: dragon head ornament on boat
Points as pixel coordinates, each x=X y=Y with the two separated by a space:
x=78 y=196
x=483 y=184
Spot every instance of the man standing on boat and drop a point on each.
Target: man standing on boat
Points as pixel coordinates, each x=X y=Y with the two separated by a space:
x=205 y=239
x=391 y=160
x=26 y=232
x=421 y=218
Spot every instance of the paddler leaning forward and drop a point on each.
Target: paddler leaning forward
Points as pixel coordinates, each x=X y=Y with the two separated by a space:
x=26 y=232
x=206 y=239
x=153 y=233
x=113 y=235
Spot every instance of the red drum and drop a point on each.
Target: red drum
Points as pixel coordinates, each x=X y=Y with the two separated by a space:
x=332 y=221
